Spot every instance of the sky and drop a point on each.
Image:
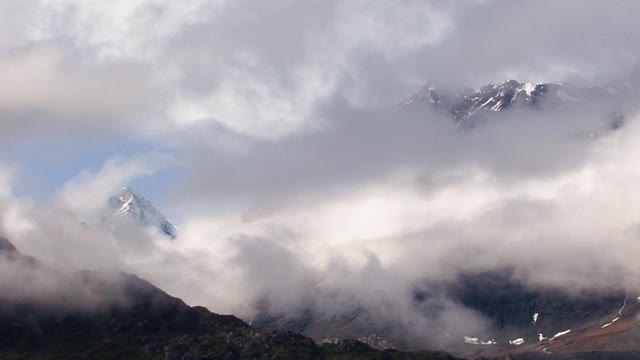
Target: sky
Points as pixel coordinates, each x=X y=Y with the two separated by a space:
x=267 y=133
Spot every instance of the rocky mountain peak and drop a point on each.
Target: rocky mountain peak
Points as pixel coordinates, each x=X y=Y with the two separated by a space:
x=467 y=104
x=129 y=204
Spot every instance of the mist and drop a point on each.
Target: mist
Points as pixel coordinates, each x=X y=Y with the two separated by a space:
x=303 y=185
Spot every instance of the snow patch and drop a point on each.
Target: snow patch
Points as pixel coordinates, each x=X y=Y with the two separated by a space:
x=529 y=88
x=560 y=334
x=476 y=341
x=471 y=340
x=624 y=304
x=535 y=318
x=518 y=341
x=609 y=323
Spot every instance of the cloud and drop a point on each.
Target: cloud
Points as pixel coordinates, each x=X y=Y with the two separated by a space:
x=12 y=210
x=48 y=85
x=302 y=183
x=271 y=71
x=266 y=75
x=90 y=190
x=67 y=232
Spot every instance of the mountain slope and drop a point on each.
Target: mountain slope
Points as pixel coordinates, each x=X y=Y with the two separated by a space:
x=125 y=317
x=523 y=321
x=613 y=336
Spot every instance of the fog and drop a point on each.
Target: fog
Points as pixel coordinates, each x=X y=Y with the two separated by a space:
x=303 y=184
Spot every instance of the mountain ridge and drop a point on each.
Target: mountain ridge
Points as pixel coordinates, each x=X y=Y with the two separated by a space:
x=140 y=321
x=470 y=107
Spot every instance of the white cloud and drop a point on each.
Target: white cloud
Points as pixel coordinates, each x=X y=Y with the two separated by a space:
x=118 y=29
x=48 y=83
x=89 y=190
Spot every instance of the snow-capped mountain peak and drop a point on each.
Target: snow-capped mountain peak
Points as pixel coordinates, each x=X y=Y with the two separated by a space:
x=465 y=103
x=128 y=204
x=469 y=107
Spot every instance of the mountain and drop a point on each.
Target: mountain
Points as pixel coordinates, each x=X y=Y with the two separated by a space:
x=465 y=103
x=525 y=322
x=106 y=315
x=127 y=204
x=545 y=320
x=113 y=315
x=469 y=107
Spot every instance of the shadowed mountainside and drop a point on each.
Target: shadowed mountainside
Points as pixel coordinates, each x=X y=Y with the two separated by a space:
x=139 y=321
